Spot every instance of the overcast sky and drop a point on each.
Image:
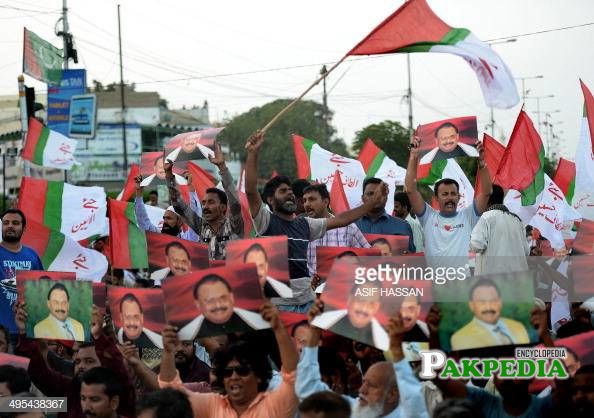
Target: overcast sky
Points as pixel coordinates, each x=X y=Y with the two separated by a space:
x=168 y=41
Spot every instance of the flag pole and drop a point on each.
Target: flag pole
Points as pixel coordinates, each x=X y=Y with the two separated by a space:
x=294 y=102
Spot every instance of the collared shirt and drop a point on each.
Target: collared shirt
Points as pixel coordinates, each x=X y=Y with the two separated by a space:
x=278 y=403
x=346 y=236
x=230 y=229
x=66 y=327
x=410 y=405
x=387 y=225
x=498 y=330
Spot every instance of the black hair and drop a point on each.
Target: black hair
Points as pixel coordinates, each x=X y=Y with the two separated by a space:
x=446 y=182
x=255 y=248
x=402 y=198
x=486 y=283
x=221 y=194
x=58 y=286
x=299 y=186
x=16 y=378
x=247 y=355
x=209 y=278
x=496 y=197
x=346 y=254
x=160 y=157
x=175 y=244
x=318 y=188
x=154 y=192
x=585 y=369
x=371 y=180
x=457 y=408
x=18 y=212
x=330 y=404
x=130 y=297
x=106 y=377
x=381 y=241
x=446 y=125
x=304 y=323
x=273 y=184
x=166 y=403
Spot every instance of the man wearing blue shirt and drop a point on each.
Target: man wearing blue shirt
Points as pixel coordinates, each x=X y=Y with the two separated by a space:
x=378 y=221
x=13 y=256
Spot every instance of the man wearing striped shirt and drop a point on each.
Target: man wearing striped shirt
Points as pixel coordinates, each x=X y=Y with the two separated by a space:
x=316 y=201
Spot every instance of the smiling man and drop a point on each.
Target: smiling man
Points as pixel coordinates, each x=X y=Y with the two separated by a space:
x=487 y=328
x=448 y=145
x=178 y=262
x=57 y=324
x=133 y=328
x=447 y=231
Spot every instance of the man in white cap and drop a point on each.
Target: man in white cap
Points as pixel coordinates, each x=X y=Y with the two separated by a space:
x=172 y=222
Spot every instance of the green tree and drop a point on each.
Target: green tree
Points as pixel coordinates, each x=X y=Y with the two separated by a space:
x=390 y=136
x=305 y=119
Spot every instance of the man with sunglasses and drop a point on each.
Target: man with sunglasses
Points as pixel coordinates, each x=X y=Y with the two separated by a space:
x=221 y=218
x=244 y=372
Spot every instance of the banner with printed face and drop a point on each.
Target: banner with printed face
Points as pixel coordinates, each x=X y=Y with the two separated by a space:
x=58 y=310
x=448 y=138
x=215 y=301
x=389 y=245
x=360 y=298
x=137 y=315
x=153 y=171
x=22 y=275
x=191 y=146
x=270 y=255
x=486 y=311
x=327 y=256
x=171 y=256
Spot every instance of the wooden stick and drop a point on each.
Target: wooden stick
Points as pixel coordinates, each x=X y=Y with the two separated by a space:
x=294 y=102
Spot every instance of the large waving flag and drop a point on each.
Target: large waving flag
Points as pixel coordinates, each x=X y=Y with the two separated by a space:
x=377 y=164
x=78 y=212
x=61 y=253
x=127 y=240
x=415 y=28
x=48 y=148
x=429 y=174
x=565 y=178
x=319 y=165
x=338 y=199
x=522 y=164
x=41 y=60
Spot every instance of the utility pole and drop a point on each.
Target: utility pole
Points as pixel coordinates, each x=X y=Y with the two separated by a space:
x=325 y=101
x=24 y=121
x=492 y=124
x=409 y=95
x=122 y=97
x=65 y=33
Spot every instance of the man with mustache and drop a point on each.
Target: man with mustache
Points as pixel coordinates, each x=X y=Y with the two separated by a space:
x=447 y=231
x=214 y=299
x=279 y=196
x=358 y=320
x=13 y=256
x=221 y=219
x=133 y=329
x=57 y=324
x=178 y=261
x=100 y=393
x=416 y=330
x=256 y=254
x=487 y=328
x=448 y=145
x=389 y=389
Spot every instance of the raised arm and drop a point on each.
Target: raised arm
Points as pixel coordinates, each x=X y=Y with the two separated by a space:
x=350 y=216
x=481 y=200
x=288 y=353
x=141 y=215
x=251 y=172
x=410 y=181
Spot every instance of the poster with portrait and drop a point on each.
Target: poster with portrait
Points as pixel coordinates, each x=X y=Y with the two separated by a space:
x=138 y=315
x=448 y=138
x=58 y=309
x=270 y=256
x=583 y=244
x=153 y=172
x=326 y=256
x=389 y=245
x=171 y=256
x=22 y=275
x=358 y=305
x=215 y=301
x=486 y=311
x=192 y=146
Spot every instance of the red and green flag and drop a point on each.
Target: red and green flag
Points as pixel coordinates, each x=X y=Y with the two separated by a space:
x=493 y=154
x=565 y=178
x=414 y=27
x=48 y=148
x=41 y=60
x=127 y=241
x=338 y=199
x=130 y=187
x=522 y=164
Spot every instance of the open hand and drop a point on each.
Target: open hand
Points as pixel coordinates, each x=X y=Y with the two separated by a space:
x=219 y=158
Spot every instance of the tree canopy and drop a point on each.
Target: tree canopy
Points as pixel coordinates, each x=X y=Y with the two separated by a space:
x=390 y=136
x=305 y=119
